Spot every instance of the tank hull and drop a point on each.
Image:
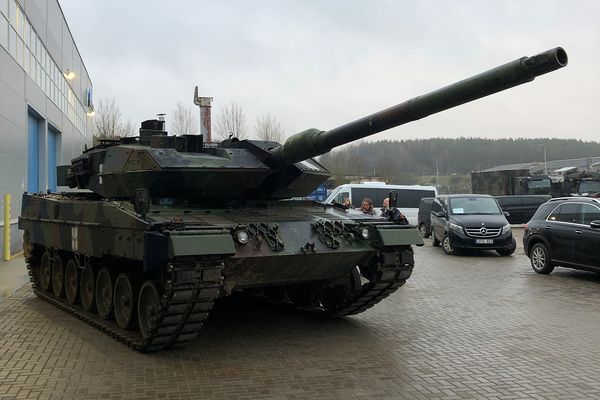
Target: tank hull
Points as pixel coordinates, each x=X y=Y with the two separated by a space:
x=302 y=253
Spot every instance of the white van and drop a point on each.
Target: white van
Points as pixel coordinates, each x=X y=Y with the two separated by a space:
x=409 y=196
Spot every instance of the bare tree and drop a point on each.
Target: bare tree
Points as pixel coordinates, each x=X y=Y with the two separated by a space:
x=231 y=120
x=268 y=128
x=184 y=121
x=128 y=129
x=107 y=122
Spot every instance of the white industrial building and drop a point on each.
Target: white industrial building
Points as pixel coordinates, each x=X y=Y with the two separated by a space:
x=45 y=100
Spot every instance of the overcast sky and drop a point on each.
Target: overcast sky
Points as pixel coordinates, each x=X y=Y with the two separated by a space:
x=323 y=63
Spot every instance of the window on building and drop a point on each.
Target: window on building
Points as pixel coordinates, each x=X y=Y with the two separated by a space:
x=21 y=41
x=12 y=42
x=3 y=32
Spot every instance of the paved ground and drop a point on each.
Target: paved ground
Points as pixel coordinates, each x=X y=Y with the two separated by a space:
x=478 y=326
x=13 y=275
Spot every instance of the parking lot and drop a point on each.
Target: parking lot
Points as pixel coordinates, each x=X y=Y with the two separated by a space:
x=471 y=326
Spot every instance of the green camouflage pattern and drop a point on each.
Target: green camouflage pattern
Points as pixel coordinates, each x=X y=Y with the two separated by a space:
x=168 y=224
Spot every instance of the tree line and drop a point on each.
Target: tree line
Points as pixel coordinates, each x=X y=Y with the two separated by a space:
x=230 y=121
x=403 y=161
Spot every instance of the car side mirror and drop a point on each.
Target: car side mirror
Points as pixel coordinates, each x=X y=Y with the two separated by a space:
x=595 y=224
x=141 y=201
x=506 y=213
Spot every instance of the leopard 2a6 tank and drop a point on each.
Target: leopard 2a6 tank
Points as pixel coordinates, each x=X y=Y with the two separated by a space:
x=165 y=225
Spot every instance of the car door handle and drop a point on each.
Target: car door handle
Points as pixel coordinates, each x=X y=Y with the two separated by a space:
x=547 y=227
x=578 y=232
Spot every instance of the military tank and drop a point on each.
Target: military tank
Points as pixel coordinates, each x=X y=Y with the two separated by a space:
x=165 y=225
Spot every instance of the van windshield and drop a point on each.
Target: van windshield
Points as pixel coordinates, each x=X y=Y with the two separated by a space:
x=473 y=205
x=589 y=187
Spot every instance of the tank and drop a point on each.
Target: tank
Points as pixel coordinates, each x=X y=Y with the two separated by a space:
x=160 y=227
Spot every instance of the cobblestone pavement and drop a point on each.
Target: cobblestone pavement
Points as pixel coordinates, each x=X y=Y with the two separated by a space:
x=475 y=326
x=13 y=275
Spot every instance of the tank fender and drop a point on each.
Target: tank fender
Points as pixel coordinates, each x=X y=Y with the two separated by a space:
x=399 y=236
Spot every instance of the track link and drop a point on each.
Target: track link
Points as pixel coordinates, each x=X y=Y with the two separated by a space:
x=188 y=297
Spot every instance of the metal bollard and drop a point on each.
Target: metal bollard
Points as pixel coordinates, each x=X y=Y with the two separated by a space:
x=7 y=227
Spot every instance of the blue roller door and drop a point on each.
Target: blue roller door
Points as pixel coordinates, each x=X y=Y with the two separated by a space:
x=33 y=154
x=52 y=150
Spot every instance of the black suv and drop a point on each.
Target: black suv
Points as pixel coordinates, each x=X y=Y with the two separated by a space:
x=424 y=216
x=565 y=232
x=470 y=221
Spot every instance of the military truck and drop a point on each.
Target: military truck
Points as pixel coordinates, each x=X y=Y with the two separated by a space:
x=512 y=182
x=581 y=183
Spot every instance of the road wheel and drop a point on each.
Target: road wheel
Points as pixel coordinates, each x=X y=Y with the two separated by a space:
x=448 y=249
x=125 y=301
x=509 y=251
x=302 y=295
x=46 y=273
x=148 y=308
x=104 y=294
x=423 y=231
x=58 y=276
x=540 y=259
x=341 y=290
x=86 y=288
x=435 y=241
x=72 y=281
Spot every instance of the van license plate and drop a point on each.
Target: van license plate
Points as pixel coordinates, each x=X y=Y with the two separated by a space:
x=484 y=241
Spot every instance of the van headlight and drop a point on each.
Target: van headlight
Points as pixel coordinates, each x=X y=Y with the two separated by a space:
x=456 y=228
x=506 y=228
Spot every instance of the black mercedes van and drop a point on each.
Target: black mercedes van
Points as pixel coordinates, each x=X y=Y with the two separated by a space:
x=470 y=221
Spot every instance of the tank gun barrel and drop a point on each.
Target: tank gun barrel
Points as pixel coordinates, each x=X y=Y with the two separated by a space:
x=313 y=142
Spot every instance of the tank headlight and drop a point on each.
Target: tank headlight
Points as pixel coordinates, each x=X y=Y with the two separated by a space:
x=365 y=233
x=242 y=237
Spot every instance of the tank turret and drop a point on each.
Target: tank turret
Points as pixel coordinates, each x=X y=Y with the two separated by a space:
x=184 y=169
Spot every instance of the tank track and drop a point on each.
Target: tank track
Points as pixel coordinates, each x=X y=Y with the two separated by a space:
x=187 y=299
x=387 y=277
x=387 y=280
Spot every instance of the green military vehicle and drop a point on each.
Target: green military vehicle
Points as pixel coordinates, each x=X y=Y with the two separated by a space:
x=165 y=225
x=581 y=183
x=511 y=182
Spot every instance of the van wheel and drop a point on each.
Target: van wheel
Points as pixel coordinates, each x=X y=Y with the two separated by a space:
x=540 y=259
x=423 y=231
x=447 y=247
x=436 y=242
